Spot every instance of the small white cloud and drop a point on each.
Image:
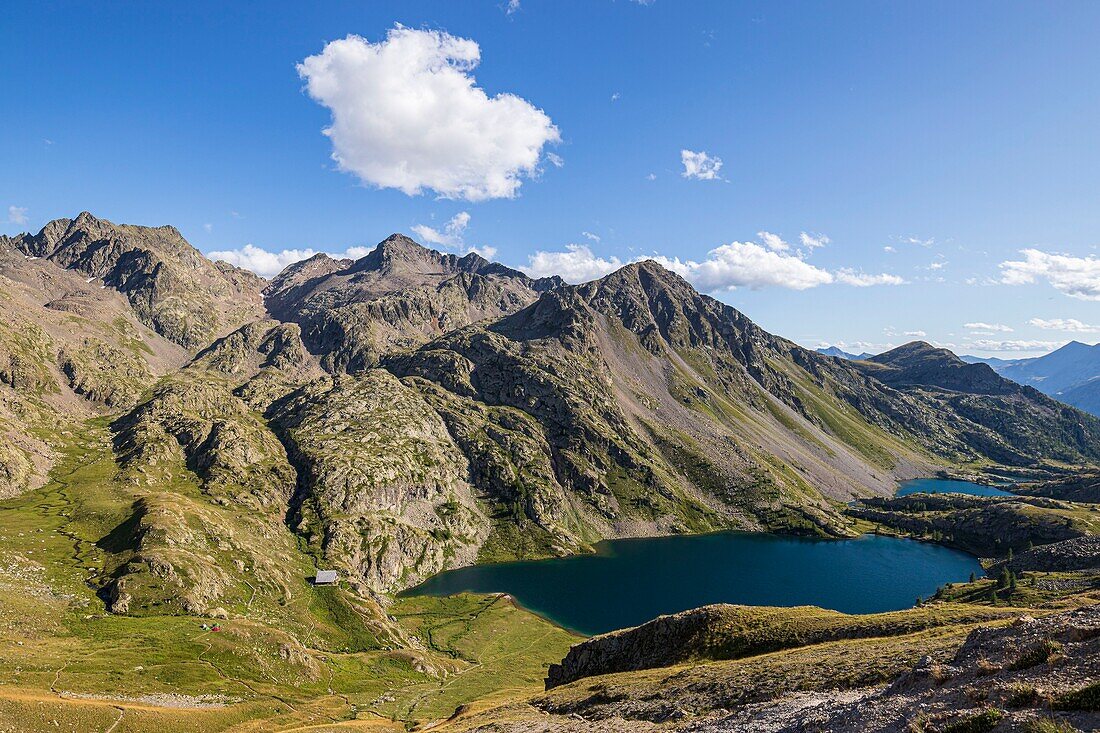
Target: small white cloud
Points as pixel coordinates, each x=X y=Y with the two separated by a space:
x=813 y=241
x=615 y=97
x=450 y=236
x=937 y=265
x=408 y=114
x=1077 y=277
x=773 y=241
x=484 y=250
x=589 y=235
x=511 y=6
x=980 y=326
x=915 y=334
x=861 y=279
x=17 y=215
x=576 y=264
x=888 y=248
x=651 y=177
x=1063 y=324
x=747 y=264
x=259 y=260
x=268 y=264
x=700 y=166
x=919 y=242
x=555 y=160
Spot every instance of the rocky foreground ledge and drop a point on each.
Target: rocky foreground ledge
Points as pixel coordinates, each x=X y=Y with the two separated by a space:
x=1034 y=675
x=725 y=631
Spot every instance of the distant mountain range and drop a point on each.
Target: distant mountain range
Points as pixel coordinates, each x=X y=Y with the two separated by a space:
x=841 y=354
x=1070 y=374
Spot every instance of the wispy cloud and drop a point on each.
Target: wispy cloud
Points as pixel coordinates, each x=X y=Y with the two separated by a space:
x=449 y=236
x=17 y=215
x=993 y=327
x=1071 y=325
x=813 y=241
x=861 y=279
x=1012 y=345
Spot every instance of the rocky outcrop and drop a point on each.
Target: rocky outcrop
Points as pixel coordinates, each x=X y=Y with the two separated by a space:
x=1082 y=487
x=384 y=489
x=1079 y=553
x=989 y=526
x=199 y=423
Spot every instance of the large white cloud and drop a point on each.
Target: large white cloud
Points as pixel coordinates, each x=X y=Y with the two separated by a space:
x=700 y=166
x=407 y=114
x=1077 y=277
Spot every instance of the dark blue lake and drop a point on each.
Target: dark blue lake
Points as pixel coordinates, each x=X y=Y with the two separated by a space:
x=948 y=486
x=628 y=582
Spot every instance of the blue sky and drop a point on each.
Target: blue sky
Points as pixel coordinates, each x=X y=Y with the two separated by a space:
x=951 y=147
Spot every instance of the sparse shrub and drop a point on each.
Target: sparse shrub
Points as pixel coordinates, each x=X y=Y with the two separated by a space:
x=1038 y=653
x=1021 y=696
x=1086 y=698
x=981 y=722
x=1048 y=725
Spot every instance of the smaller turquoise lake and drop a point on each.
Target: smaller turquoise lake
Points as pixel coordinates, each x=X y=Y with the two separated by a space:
x=948 y=486
x=628 y=582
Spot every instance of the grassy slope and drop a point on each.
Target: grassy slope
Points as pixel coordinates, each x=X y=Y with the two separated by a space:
x=310 y=661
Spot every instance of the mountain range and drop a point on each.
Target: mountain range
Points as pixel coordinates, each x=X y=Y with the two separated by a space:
x=413 y=410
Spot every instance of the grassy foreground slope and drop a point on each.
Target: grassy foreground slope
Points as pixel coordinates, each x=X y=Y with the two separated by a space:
x=316 y=656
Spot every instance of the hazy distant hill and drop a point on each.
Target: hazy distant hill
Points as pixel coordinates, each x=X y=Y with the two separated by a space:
x=841 y=354
x=1068 y=374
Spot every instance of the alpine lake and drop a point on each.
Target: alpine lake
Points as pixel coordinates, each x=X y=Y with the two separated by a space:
x=628 y=582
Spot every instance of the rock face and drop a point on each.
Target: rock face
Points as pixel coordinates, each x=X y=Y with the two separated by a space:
x=172 y=288
x=68 y=349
